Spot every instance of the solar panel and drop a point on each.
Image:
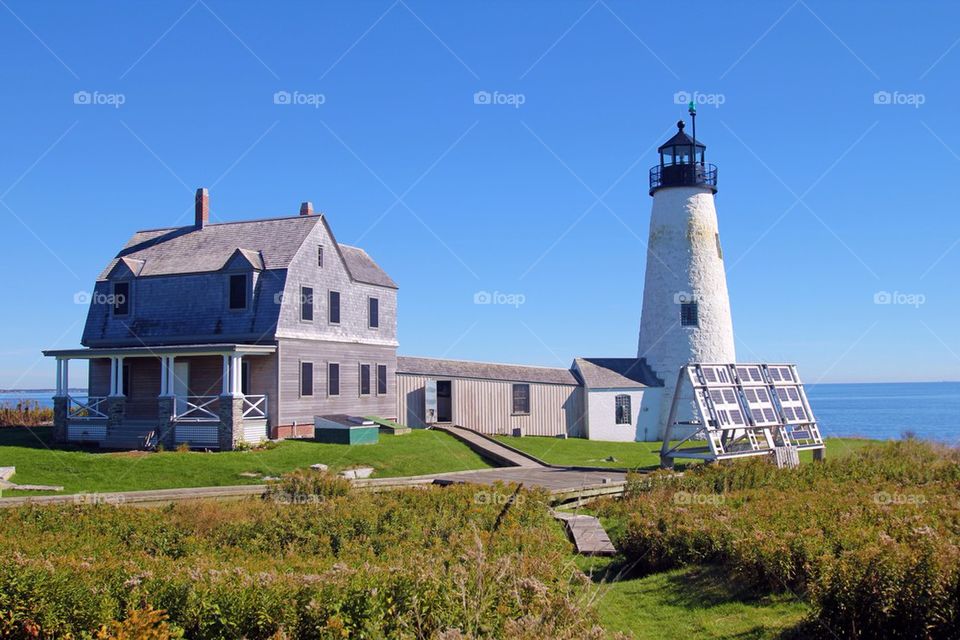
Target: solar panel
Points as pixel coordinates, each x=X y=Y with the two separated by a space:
x=746 y=409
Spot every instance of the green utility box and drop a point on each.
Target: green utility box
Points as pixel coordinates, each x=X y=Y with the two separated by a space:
x=344 y=429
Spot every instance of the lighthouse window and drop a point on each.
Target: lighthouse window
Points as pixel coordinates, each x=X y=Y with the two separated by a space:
x=719 y=249
x=689 y=316
x=623 y=409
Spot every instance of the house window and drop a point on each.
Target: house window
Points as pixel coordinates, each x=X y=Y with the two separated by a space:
x=381 y=379
x=521 y=399
x=333 y=379
x=334 y=307
x=245 y=378
x=238 y=291
x=374 y=312
x=306 y=304
x=121 y=298
x=689 y=315
x=320 y=256
x=624 y=414
x=306 y=378
x=364 y=379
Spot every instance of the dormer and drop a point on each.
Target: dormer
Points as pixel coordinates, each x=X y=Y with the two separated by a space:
x=241 y=271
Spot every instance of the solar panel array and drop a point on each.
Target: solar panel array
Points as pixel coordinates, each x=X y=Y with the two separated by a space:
x=752 y=408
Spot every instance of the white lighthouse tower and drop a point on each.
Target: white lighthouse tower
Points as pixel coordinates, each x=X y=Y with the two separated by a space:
x=686 y=309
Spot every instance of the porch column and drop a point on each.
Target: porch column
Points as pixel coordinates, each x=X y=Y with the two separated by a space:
x=236 y=372
x=225 y=391
x=166 y=366
x=120 y=376
x=113 y=376
x=171 y=375
x=59 y=378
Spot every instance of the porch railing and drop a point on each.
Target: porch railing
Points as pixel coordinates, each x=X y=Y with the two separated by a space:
x=196 y=409
x=92 y=409
x=254 y=407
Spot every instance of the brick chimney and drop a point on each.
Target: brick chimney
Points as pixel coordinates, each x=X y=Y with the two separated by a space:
x=202 y=208
x=306 y=208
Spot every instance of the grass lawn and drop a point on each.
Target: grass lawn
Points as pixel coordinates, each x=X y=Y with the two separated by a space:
x=693 y=602
x=630 y=455
x=39 y=461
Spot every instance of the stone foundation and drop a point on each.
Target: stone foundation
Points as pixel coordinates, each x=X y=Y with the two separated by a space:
x=60 y=419
x=166 y=426
x=230 y=430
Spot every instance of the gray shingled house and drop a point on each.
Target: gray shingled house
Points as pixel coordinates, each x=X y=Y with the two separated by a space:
x=212 y=334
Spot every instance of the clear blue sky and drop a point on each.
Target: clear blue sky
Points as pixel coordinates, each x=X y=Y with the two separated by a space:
x=826 y=197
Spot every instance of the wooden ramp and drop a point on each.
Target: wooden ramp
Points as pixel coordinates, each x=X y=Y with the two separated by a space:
x=587 y=534
x=490 y=448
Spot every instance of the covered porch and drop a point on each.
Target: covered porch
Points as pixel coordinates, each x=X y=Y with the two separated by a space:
x=208 y=396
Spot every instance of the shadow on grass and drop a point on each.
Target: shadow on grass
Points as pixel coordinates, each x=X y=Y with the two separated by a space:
x=38 y=438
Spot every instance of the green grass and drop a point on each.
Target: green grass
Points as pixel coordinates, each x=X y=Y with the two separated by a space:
x=628 y=455
x=693 y=602
x=39 y=461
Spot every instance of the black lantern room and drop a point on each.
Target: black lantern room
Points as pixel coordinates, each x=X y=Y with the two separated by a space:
x=682 y=164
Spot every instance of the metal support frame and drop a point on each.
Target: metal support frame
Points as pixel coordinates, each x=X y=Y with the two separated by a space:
x=744 y=410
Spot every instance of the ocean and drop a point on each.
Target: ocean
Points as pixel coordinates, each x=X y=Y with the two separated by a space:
x=882 y=411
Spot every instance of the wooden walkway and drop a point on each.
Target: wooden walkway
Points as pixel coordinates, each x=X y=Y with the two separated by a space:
x=490 y=448
x=587 y=534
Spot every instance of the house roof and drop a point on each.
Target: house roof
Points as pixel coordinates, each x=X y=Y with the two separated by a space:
x=616 y=373
x=267 y=244
x=485 y=370
x=362 y=267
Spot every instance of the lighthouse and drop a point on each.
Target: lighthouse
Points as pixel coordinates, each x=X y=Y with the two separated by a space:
x=686 y=308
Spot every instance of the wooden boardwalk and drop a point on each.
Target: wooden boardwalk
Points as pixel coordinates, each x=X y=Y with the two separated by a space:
x=490 y=448
x=588 y=535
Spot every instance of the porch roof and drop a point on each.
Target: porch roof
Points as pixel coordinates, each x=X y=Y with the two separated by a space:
x=165 y=350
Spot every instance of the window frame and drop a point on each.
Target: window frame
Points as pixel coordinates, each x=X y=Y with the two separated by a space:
x=127 y=299
x=386 y=385
x=320 y=256
x=303 y=303
x=618 y=407
x=373 y=312
x=685 y=315
x=360 y=376
x=513 y=399
x=246 y=291
x=303 y=367
x=330 y=379
x=331 y=307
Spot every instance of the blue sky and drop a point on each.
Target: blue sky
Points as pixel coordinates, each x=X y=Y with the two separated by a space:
x=829 y=194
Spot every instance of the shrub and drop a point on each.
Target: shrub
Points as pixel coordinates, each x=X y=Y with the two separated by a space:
x=872 y=540
x=24 y=413
x=416 y=563
x=307 y=486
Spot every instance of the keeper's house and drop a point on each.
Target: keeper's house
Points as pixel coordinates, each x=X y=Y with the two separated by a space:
x=216 y=333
